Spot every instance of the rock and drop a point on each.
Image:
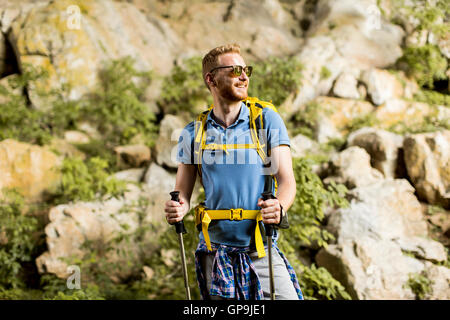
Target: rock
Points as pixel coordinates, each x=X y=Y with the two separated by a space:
x=383 y=223
x=333 y=115
x=267 y=26
x=352 y=168
x=427 y=158
x=148 y=272
x=131 y=175
x=359 y=32
x=317 y=54
x=76 y=137
x=160 y=183
x=365 y=268
x=98 y=223
x=346 y=86
x=301 y=145
x=383 y=148
x=65 y=149
x=382 y=86
x=72 y=46
x=423 y=248
x=166 y=144
x=440 y=281
x=399 y=113
x=31 y=169
x=132 y=155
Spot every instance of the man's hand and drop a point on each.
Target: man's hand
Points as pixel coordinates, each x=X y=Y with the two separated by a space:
x=271 y=210
x=175 y=211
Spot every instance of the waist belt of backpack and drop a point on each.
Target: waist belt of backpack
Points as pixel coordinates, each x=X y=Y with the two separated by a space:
x=204 y=217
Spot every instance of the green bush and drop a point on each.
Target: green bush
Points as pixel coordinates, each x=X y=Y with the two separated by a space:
x=319 y=284
x=275 y=79
x=16 y=240
x=86 y=181
x=17 y=119
x=433 y=97
x=117 y=109
x=184 y=89
x=428 y=14
x=426 y=64
x=304 y=122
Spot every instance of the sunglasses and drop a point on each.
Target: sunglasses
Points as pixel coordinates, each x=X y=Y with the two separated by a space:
x=237 y=70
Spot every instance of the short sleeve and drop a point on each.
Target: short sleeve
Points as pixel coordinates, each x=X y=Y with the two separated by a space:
x=184 y=148
x=277 y=133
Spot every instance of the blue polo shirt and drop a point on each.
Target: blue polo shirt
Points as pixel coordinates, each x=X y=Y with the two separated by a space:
x=233 y=179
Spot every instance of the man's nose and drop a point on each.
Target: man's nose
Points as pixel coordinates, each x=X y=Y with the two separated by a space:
x=243 y=76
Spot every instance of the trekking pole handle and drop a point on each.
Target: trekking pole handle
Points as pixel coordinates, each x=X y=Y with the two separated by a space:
x=179 y=226
x=266 y=195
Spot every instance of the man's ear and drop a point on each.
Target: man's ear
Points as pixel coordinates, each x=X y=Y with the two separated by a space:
x=210 y=80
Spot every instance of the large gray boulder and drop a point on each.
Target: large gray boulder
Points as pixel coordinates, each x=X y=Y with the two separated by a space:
x=427 y=158
x=381 y=240
x=384 y=148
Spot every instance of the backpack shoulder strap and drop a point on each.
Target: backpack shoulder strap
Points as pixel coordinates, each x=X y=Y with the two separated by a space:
x=199 y=140
x=259 y=136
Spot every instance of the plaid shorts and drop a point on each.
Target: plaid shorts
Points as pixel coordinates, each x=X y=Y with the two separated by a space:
x=234 y=274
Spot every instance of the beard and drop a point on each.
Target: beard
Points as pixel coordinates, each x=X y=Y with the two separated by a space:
x=231 y=93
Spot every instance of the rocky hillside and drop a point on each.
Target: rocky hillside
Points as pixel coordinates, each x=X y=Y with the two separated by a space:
x=93 y=95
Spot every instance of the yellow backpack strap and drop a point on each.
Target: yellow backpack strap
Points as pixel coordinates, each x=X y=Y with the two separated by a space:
x=199 y=140
x=256 y=107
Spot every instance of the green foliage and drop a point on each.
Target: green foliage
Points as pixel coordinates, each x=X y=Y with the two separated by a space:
x=432 y=97
x=56 y=289
x=420 y=285
x=90 y=293
x=306 y=213
x=430 y=123
x=275 y=78
x=117 y=109
x=17 y=120
x=16 y=239
x=428 y=14
x=167 y=281
x=87 y=181
x=367 y=120
x=319 y=284
x=305 y=121
x=184 y=89
x=426 y=64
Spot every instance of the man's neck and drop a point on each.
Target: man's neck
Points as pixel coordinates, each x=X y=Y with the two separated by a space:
x=226 y=112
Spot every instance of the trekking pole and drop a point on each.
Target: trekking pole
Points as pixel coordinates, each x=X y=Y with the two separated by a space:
x=267 y=194
x=179 y=228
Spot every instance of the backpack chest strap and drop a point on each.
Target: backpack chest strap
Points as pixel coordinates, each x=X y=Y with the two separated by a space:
x=204 y=217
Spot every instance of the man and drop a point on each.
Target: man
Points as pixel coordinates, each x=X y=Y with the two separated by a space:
x=229 y=262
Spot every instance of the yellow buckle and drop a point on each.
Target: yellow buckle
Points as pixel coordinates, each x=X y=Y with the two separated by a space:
x=236 y=214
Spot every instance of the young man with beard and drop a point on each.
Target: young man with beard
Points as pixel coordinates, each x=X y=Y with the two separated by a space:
x=230 y=259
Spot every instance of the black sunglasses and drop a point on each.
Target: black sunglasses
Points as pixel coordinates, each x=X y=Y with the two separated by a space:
x=237 y=70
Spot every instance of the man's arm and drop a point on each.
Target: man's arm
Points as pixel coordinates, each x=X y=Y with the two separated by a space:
x=185 y=182
x=284 y=173
x=282 y=158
